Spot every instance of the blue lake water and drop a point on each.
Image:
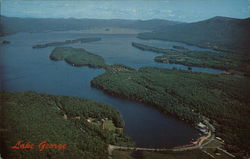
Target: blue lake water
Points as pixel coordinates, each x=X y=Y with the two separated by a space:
x=25 y=69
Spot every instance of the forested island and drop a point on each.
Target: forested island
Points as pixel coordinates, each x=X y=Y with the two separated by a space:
x=77 y=57
x=86 y=127
x=5 y=42
x=194 y=97
x=81 y=40
x=220 y=60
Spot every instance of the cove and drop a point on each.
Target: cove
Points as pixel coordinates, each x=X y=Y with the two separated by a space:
x=27 y=69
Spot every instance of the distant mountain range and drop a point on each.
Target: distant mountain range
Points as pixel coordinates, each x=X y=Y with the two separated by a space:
x=10 y=25
x=221 y=33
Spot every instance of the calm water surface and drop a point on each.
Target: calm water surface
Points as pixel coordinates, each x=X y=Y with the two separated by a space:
x=25 y=69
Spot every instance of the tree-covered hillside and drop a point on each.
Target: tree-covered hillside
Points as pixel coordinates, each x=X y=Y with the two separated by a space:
x=33 y=117
x=220 y=60
x=224 y=99
x=219 y=33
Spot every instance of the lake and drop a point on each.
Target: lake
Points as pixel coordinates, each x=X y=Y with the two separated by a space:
x=25 y=69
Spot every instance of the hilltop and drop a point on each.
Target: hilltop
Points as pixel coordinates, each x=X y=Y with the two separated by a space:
x=219 y=33
x=85 y=127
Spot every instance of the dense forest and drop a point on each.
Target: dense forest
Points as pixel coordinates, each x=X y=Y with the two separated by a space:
x=77 y=57
x=220 y=33
x=35 y=117
x=224 y=99
x=81 y=40
x=220 y=60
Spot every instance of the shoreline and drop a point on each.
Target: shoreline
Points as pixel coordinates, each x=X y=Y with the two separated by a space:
x=195 y=145
x=198 y=144
x=187 y=43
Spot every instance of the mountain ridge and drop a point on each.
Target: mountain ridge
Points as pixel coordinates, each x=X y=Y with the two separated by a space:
x=219 y=33
x=8 y=24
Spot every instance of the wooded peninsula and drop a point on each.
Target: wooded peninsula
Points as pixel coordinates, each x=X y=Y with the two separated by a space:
x=86 y=127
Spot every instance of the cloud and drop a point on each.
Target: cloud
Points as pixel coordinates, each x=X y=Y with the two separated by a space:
x=171 y=15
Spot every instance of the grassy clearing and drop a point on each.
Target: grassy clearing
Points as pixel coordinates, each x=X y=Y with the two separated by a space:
x=109 y=125
x=105 y=124
x=215 y=143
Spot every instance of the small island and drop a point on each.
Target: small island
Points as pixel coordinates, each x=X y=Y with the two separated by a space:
x=5 y=42
x=77 y=57
x=84 y=127
x=222 y=60
x=81 y=40
x=150 y=48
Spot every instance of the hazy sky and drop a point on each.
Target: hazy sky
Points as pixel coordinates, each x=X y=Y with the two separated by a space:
x=179 y=10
